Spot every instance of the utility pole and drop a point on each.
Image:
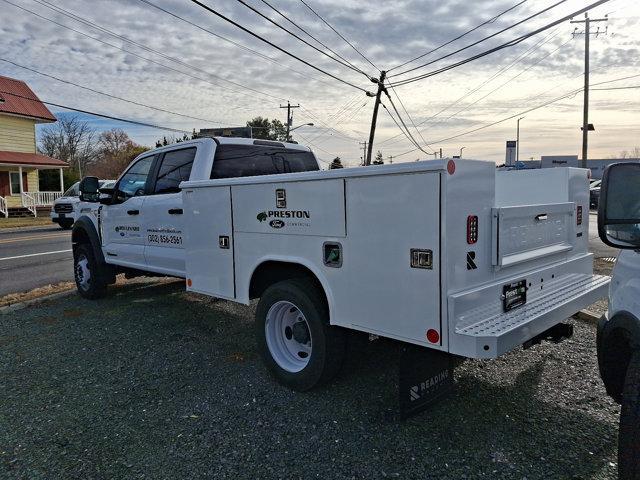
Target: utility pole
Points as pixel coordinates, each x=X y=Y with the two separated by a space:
x=518 y=140
x=288 y=106
x=440 y=152
x=585 y=113
x=390 y=157
x=364 y=152
x=374 y=119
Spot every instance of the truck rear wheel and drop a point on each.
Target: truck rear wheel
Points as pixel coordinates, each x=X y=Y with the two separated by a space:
x=629 y=436
x=294 y=337
x=86 y=271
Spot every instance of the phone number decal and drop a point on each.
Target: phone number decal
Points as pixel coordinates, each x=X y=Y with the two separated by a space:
x=164 y=239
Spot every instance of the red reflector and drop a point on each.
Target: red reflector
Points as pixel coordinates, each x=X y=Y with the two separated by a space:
x=579 y=215
x=451 y=167
x=433 y=336
x=472 y=229
x=189 y=282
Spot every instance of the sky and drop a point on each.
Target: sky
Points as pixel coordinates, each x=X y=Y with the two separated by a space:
x=202 y=72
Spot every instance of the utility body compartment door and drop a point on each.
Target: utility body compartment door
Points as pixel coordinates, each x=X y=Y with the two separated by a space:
x=209 y=242
x=525 y=233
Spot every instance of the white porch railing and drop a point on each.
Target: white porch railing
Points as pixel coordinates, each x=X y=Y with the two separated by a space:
x=30 y=203
x=44 y=199
x=3 y=207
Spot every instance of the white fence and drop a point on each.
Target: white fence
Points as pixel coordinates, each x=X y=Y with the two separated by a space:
x=44 y=199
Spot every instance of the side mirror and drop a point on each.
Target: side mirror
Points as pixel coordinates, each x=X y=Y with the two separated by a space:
x=89 y=189
x=106 y=195
x=619 y=206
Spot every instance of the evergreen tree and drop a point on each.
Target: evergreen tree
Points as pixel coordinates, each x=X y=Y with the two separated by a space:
x=336 y=163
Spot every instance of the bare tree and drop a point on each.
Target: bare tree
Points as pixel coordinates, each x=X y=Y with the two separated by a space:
x=71 y=140
x=115 y=150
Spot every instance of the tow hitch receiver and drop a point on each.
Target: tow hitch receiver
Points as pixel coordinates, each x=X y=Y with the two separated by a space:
x=556 y=334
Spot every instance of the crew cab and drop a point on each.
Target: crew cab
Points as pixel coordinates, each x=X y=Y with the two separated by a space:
x=619 y=329
x=449 y=257
x=68 y=208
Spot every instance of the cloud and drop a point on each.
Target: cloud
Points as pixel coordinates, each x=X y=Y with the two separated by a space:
x=159 y=60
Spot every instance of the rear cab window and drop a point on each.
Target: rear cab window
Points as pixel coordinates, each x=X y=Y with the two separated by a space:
x=252 y=160
x=175 y=167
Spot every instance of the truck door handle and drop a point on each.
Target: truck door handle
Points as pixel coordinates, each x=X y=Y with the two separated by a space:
x=133 y=212
x=542 y=216
x=175 y=211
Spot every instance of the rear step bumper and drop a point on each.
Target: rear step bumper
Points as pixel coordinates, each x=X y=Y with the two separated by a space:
x=488 y=332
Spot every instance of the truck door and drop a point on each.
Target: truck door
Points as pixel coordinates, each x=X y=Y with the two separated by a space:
x=164 y=219
x=122 y=221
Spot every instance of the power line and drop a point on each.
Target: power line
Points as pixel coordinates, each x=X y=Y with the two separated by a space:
x=497 y=74
x=246 y=30
x=84 y=87
x=508 y=81
x=101 y=115
x=341 y=62
x=145 y=47
x=339 y=34
x=408 y=115
x=572 y=93
x=150 y=60
x=311 y=36
x=232 y=42
x=618 y=88
x=511 y=43
x=408 y=133
x=433 y=50
x=530 y=17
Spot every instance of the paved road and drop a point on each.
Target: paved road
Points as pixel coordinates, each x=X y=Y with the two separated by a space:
x=596 y=246
x=33 y=258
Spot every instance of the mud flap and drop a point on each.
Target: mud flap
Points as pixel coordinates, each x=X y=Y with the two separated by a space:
x=425 y=376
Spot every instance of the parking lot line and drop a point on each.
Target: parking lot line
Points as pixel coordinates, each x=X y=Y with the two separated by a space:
x=34 y=255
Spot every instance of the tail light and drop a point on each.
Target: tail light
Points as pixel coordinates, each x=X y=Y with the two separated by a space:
x=472 y=229
x=579 y=215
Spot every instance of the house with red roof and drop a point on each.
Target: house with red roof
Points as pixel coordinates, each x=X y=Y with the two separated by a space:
x=20 y=111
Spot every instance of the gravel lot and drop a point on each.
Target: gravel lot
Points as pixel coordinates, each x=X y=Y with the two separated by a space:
x=152 y=382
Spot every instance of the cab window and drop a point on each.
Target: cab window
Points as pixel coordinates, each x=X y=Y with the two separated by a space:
x=175 y=167
x=252 y=160
x=132 y=183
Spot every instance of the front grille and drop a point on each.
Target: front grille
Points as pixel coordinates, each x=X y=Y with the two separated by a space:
x=63 y=208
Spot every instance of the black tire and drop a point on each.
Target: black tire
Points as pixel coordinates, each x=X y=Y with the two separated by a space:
x=90 y=286
x=629 y=436
x=327 y=342
x=66 y=225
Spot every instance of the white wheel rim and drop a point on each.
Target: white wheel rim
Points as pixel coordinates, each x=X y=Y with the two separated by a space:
x=288 y=336
x=83 y=274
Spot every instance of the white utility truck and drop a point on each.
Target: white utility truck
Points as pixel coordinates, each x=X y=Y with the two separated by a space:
x=619 y=330
x=449 y=257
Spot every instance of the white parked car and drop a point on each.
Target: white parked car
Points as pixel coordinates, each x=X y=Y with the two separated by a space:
x=68 y=208
x=619 y=329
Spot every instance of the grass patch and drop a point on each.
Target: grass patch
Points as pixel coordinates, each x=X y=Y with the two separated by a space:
x=25 y=222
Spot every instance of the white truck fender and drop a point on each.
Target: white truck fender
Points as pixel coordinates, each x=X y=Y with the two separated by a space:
x=244 y=289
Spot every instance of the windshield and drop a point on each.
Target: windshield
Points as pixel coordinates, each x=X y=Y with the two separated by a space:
x=73 y=191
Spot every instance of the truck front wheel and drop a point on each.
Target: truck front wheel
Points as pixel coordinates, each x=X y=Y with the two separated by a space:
x=294 y=336
x=89 y=279
x=629 y=436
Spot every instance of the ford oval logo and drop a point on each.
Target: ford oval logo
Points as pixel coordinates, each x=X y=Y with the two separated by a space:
x=276 y=223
